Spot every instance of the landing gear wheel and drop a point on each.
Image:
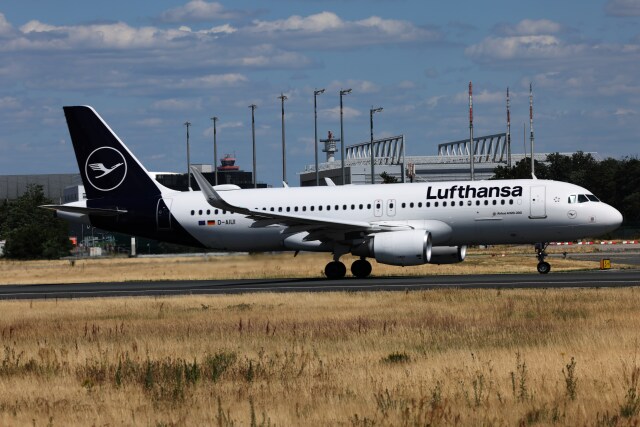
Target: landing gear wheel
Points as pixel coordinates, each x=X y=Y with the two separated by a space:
x=544 y=267
x=361 y=268
x=335 y=270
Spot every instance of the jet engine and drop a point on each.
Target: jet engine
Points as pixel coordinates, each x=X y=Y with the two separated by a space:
x=448 y=254
x=407 y=247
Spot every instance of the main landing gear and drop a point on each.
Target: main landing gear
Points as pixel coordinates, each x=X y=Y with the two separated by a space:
x=543 y=266
x=360 y=268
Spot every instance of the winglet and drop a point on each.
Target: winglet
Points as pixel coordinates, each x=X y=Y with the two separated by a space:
x=212 y=196
x=329 y=182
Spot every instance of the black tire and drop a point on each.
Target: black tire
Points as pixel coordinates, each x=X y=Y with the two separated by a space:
x=544 y=267
x=335 y=270
x=361 y=268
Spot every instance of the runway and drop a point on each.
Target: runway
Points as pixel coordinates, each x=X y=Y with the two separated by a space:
x=590 y=279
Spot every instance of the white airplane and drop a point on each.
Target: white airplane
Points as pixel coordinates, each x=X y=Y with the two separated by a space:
x=397 y=224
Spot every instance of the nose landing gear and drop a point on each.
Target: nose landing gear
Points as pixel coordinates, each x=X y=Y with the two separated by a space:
x=543 y=266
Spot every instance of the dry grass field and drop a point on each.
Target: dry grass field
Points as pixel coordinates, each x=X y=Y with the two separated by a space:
x=518 y=259
x=446 y=357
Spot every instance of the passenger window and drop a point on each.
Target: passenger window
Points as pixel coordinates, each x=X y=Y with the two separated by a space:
x=193 y=212
x=428 y=204
x=360 y=206
x=411 y=204
x=200 y=212
x=216 y=211
x=320 y=207
x=502 y=202
x=477 y=202
x=572 y=198
x=295 y=208
x=208 y=212
x=288 y=209
x=404 y=205
x=353 y=207
x=328 y=207
x=494 y=202
x=304 y=209
x=344 y=207
x=582 y=198
x=312 y=208
x=444 y=204
x=377 y=205
x=419 y=204
x=435 y=204
x=280 y=209
x=271 y=209
x=469 y=202
x=510 y=202
x=368 y=205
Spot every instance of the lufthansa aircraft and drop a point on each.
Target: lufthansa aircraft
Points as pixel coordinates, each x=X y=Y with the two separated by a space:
x=397 y=224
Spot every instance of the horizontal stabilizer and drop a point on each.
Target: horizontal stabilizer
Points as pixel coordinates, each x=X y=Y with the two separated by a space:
x=85 y=210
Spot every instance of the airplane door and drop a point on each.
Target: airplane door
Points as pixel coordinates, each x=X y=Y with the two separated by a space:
x=377 y=208
x=391 y=207
x=537 y=199
x=163 y=214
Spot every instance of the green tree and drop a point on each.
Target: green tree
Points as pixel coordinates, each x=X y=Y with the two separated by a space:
x=32 y=232
x=388 y=179
x=521 y=170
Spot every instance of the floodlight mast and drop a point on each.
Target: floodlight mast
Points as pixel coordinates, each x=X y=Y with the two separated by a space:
x=315 y=128
x=253 y=137
x=214 y=119
x=372 y=111
x=342 y=93
x=187 y=124
x=283 y=98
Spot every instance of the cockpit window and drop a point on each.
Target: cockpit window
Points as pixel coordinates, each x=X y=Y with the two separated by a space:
x=572 y=198
x=582 y=198
x=592 y=198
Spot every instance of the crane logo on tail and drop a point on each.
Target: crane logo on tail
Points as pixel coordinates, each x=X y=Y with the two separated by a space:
x=105 y=168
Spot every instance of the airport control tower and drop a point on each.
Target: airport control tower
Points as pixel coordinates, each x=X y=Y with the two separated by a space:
x=330 y=146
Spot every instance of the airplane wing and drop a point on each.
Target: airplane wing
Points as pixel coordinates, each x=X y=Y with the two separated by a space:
x=304 y=222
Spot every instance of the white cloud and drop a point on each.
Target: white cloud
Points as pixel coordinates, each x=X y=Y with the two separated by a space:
x=334 y=113
x=623 y=8
x=9 y=102
x=530 y=27
x=5 y=26
x=213 y=81
x=197 y=11
x=177 y=104
x=313 y=23
x=526 y=47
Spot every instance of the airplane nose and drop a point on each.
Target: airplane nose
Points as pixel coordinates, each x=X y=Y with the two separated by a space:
x=613 y=217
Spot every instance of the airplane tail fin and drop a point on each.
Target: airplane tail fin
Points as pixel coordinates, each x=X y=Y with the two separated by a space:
x=107 y=167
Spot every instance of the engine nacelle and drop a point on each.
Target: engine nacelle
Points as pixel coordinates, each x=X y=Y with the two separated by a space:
x=448 y=254
x=408 y=247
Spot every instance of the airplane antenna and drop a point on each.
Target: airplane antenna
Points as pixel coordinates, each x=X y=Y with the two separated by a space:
x=471 y=147
x=533 y=171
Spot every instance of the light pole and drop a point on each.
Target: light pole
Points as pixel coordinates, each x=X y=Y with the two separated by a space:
x=187 y=124
x=253 y=137
x=372 y=111
x=342 y=93
x=283 y=98
x=315 y=128
x=214 y=119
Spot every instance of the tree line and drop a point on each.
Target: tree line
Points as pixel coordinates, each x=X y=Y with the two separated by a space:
x=615 y=182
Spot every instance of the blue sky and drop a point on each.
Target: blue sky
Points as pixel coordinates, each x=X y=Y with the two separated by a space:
x=147 y=67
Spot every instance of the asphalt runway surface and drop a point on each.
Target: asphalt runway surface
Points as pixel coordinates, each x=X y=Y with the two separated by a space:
x=590 y=279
